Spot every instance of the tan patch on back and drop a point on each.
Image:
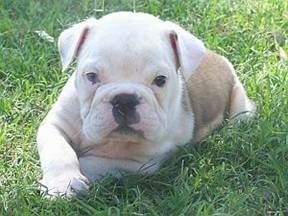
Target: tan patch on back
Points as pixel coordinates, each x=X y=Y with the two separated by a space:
x=210 y=90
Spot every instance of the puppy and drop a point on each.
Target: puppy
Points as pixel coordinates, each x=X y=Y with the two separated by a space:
x=141 y=88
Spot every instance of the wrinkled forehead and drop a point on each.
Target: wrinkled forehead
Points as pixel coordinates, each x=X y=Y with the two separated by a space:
x=128 y=45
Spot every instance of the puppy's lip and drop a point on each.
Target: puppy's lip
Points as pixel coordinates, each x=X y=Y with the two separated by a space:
x=127 y=131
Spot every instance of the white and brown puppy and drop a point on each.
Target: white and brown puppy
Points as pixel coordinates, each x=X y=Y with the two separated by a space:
x=141 y=88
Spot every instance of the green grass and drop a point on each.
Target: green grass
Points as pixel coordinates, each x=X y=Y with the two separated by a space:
x=240 y=170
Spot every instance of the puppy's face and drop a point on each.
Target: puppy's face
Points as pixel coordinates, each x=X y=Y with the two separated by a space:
x=127 y=79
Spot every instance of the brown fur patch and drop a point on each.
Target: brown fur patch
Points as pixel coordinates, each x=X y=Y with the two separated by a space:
x=210 y=89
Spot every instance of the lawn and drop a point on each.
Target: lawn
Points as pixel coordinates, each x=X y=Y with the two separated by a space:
x=239 y=170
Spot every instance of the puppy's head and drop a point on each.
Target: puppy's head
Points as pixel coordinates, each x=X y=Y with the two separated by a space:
x=127 y=75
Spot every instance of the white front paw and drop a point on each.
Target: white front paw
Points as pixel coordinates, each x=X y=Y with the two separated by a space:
x=64 y=185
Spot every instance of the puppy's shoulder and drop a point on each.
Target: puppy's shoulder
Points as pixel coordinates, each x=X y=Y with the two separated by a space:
x=210 y=88
x=215 y=64
x=214 y=70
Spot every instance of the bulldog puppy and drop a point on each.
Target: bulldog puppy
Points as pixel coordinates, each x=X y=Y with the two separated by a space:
x=141 y=88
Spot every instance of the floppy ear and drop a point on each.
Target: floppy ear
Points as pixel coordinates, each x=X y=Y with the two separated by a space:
x=188 y=49
x=72 y=39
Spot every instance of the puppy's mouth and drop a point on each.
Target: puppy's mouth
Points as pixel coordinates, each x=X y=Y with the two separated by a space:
x=126 y=131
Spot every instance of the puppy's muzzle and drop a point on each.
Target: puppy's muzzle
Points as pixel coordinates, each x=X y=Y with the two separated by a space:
x=124 y=109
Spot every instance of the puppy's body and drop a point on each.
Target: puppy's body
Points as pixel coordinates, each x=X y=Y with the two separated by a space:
x=215 y=92
x=142 y=87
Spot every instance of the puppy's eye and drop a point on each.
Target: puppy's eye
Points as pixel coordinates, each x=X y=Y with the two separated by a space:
x=160 y=80
x=92 y=77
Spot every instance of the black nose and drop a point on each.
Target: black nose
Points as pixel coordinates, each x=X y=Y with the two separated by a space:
x=124 y=109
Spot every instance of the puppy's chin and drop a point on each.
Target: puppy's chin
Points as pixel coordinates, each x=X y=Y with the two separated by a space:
x=117 y=132
x=126 y=132
x=120 y=133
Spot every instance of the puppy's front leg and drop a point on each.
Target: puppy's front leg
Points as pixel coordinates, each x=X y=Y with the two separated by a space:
x=59 y=163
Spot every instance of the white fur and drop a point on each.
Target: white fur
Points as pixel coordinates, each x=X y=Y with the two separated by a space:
x=127 y=51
